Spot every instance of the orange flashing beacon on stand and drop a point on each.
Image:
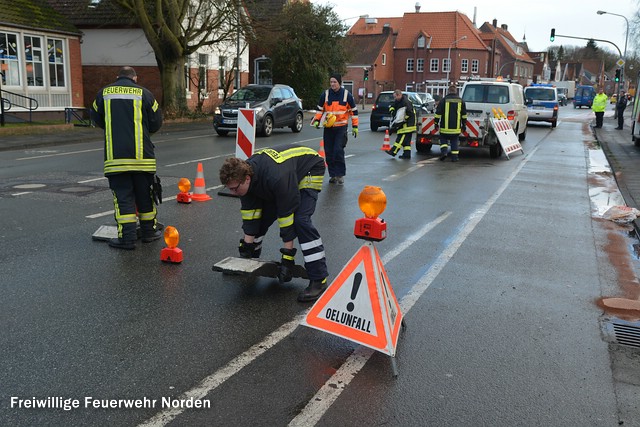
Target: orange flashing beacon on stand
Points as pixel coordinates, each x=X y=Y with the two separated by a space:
x=184 y=196
x=372 y=202
x=172 y=253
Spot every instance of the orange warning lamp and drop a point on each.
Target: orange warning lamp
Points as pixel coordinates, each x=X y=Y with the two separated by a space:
x=172 y=253
x=372 y=202
x=184 y=185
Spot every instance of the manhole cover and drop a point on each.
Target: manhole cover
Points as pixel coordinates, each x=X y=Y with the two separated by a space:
x=621 y=332
x=28 y=186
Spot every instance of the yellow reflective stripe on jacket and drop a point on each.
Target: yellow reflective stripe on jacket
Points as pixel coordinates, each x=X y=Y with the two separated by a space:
x=137 y=125
x=313 y=182
x=280 y=157
x=108 y=135
x=286 y=221
x=129 y=165
x=251 y=214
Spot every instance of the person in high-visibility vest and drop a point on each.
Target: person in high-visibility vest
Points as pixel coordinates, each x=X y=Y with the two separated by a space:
x=599 y=105
x=451 y=118
x=339 y=105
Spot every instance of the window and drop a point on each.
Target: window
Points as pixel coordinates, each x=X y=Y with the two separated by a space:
x=420 y=65
x=384 y=59
x=9 y=59
x=221 y=71
x=410 y=64
x=202 y=74
x=55 y=51
x=33 y=60
x=475 y=66
x=421 y=41
x=433 y=67
x=446 y=65
x=464 y=66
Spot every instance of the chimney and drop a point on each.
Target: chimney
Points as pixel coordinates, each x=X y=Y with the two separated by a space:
x=417 y=7
x=495 y=23
x=504 y=27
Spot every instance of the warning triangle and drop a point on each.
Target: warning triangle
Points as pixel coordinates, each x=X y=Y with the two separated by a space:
x=360 y=304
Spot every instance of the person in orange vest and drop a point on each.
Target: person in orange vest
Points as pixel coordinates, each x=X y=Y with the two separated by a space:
x=337 y=105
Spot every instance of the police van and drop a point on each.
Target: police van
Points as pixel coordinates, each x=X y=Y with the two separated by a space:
x=542 y=103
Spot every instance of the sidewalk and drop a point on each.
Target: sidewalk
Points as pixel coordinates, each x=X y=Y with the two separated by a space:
x=623 y=157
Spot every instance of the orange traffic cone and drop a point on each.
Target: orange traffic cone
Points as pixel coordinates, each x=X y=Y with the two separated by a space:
x=199 y=191
x=322 y=153
x=385 y=145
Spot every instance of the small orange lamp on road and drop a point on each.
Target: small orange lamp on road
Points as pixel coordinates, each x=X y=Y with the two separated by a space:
x=372 y=202
x=184 y=185
x=172 y=253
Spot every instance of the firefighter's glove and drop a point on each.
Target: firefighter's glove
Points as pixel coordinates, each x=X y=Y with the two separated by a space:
x=247 y=250
x=287 y=263
x=463 y=128
x=315 y=123
x=156 y=190
x=354 y=131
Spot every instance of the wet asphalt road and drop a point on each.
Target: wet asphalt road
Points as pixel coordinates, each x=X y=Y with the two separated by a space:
x=497 y=265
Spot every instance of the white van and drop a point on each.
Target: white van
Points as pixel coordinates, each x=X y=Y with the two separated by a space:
x=481 y=96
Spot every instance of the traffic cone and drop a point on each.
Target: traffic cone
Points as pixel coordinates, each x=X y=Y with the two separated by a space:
x=322 y=153
x=199 y=191
x=385 y=145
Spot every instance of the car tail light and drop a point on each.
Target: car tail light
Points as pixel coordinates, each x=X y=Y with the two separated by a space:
x=555 y=108
x=373 y=107
x=474 y=143
x=511 y=115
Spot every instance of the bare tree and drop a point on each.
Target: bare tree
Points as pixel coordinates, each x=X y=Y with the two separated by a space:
x=175 y=29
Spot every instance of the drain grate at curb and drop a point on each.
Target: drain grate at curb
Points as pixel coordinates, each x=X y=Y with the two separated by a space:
x=623 y=332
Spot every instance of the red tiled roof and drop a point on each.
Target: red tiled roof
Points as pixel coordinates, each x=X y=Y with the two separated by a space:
x=361 y=27
x=443 y=28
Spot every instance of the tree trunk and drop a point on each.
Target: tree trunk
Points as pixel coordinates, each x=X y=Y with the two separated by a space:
x=173 y=87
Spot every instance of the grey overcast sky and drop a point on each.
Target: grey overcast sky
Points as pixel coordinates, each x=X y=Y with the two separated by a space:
x=533 y=19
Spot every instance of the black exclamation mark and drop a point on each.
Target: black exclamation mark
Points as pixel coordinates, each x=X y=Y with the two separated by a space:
x=354 y=290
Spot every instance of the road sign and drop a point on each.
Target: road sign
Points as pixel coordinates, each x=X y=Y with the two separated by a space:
x=620 y=62
x=360 y=304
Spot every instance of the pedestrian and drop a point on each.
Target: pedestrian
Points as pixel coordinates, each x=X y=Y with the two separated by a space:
x=621 y=104
x=284 y=185
x=404 y=126
x=129 y=114
x=451 y=118
x=339 y=102
x=599 y=105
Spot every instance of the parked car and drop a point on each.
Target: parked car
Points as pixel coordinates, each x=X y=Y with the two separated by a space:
x=277 y=106
x=584 y=96
x=380 y=116
x=428 y=101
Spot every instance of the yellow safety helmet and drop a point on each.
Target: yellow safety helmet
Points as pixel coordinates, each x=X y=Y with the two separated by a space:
x=330 y=120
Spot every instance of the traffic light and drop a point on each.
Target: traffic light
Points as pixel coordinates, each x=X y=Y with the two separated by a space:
x=366 y=74
x=553 y=34
x=617 y=79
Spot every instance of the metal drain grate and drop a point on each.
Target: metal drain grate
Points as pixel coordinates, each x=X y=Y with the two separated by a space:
x=621 y=332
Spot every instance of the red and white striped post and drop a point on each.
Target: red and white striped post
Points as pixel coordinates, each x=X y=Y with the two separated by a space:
x=246 y=135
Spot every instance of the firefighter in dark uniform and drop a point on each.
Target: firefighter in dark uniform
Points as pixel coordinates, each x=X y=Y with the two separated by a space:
x=129 y=114
x=339 y=102
x=451 y=117
x=281 y=185
x=405 y=126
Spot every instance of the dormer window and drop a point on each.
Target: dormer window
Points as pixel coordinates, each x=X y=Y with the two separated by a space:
x=421 y=41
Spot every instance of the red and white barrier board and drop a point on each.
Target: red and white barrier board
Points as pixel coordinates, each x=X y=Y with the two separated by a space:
x=506 y=136
x=246 y=135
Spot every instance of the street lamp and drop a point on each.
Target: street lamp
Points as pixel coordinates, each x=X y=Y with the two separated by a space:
x=449 y=55
x=602 y=12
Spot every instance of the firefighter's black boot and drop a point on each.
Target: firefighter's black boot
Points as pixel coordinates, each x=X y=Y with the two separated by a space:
x=406 y=154
x=313 y=291
x=122 y=244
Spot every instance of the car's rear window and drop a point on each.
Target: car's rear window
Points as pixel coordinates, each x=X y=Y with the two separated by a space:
x=385 y=98
x=491 y=94
x=540 y=94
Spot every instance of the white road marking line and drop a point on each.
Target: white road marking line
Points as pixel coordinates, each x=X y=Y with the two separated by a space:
x=60 y=154
x=319 y=404
x=92 y=180
x=23 y=193
x=211 y=382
